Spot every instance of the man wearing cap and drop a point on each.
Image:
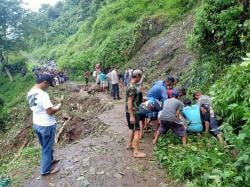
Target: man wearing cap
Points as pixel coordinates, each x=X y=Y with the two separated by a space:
x=44 y=122
x=132 y=108
x=170 y=118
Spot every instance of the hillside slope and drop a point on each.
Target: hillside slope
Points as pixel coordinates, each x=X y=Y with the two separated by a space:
x=166 y=53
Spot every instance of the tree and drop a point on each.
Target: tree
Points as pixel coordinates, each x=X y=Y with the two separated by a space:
x=11 y=14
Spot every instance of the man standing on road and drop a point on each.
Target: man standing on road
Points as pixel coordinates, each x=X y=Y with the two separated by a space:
x=44 y=122
x=115 y=84
x=86 y=77
x=132 y=108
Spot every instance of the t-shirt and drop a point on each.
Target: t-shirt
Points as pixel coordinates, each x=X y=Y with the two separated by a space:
x=94 y=73
x=169 y=110
x=193 y=117
x=114 y=77
x=158 y=91
x=102 y=77
x=206 y=100
x=39 y=101
x=133 y=91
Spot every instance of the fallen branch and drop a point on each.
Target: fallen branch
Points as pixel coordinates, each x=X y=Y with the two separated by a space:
x=20 y=151
x=62 y=129
x=25 y=128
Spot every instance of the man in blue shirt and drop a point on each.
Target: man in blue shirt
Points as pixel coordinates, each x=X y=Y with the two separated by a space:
x=192 y=114
x=159 y=90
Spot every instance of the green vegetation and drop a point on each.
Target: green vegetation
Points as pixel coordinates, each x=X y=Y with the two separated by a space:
x=220 y=37
x=111 y=33
x=203 y=162
x=12 y=94
x=22 y=167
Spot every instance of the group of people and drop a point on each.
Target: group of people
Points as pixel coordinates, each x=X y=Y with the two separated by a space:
x=106 y=80
x=59 y=77
x=165 y=108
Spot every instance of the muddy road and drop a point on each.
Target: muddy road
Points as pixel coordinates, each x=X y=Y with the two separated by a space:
x=100 y=158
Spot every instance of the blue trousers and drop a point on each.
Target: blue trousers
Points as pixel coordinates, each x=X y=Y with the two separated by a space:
x=115 y=91
x=46 y=137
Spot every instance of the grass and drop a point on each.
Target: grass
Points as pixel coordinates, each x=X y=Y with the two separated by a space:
x=202 y=163
x=21 y=168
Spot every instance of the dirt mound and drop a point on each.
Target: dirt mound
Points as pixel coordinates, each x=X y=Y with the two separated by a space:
x=77 y=119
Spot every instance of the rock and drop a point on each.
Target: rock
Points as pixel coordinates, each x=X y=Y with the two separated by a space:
x=91 y=170
x=85 y=183
x=100 y=172
x=118 y=175
x=51 y=184
x=163 y=184
x=80 y=178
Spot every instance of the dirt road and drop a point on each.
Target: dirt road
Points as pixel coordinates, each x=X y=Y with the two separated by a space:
x=102 y=160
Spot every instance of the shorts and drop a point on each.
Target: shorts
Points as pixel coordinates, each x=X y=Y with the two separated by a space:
x=104 y=84
x=147 y=114
x=135 y=126
x=206 y=115
x=178 y=129
x=213 y=126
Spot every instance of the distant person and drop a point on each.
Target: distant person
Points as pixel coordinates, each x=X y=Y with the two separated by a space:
x=98 y=68
x=126 y=77
x=61 y=77
x=208 y=115
x=132 y=107
x=170 y=118
x=86 y=77
x=193 y=117
x=130 y=71
x=182 y=94
x=103 y=82
x=170 y=85
x=109 y=83
x=115 y=84
x=44 y=122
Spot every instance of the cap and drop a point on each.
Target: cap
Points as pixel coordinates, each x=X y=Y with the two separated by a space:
x=137 y=72
x=175 y=93
x=45 y=77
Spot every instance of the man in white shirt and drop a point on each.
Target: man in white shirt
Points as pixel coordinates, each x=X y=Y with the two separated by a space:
x=44 y=122
x=115 y=84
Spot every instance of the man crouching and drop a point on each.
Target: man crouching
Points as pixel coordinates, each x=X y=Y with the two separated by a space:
x=132 y=107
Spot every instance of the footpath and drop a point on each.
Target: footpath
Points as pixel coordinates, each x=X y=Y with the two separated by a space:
x=102 y=160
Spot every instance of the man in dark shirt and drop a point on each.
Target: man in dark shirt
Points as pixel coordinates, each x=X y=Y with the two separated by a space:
x=132 y=108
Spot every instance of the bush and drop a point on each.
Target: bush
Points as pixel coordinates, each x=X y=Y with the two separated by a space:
x=222 y=30
x=202 y=163
x=231 y=99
